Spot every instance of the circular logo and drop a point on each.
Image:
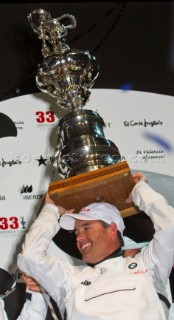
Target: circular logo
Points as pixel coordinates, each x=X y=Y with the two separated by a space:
x=133 y=265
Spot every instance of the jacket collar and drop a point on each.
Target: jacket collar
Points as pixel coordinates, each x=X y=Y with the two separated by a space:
x=115 y=254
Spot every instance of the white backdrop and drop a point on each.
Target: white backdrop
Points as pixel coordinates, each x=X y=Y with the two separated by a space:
x=139 y=123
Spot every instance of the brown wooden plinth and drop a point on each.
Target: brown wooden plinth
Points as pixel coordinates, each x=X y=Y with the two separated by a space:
x=111 y=184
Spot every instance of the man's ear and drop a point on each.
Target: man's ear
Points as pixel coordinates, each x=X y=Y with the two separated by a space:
x=113 y=230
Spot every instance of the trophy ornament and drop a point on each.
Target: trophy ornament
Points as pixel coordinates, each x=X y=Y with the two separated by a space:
x=52 y=32
x=65 y=74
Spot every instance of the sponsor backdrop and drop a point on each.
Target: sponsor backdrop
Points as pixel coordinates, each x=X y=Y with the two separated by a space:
x=139 y=123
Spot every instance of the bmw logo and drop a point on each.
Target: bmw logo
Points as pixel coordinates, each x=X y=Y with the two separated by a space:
x=133 y=265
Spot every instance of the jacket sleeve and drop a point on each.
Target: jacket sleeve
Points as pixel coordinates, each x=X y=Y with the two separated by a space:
x=50 y=272
x=159 y=255
x=35 y=307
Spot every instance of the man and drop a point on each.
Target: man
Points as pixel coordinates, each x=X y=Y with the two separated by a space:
x=36 y=304
x=110 y=286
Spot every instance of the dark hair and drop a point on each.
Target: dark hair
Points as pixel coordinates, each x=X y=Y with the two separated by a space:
x=119 y=236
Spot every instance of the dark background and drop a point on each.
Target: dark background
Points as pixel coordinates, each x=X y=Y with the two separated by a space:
x=132 y=41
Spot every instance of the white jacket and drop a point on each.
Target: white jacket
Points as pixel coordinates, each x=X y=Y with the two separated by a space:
x=171 y=314
x=118 y=288
x=34 y=309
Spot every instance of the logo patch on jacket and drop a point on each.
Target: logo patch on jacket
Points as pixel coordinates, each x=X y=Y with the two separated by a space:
x=132 y=265
x=86 y=283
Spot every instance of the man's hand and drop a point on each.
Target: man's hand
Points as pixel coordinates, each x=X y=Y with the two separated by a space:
x=61 y=209
x=139 y=176
x=48 y=199
x=31 y=284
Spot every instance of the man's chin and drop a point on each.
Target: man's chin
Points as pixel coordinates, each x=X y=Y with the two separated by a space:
x=88 y=260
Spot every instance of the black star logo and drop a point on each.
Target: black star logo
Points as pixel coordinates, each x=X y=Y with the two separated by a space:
x=42 y=161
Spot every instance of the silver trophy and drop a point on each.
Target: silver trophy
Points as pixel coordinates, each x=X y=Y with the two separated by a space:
x=68 y=75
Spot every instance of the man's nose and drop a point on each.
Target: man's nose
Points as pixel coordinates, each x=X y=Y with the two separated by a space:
x=80 y=236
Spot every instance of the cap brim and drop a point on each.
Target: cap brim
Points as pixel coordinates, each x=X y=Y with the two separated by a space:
x=67 y=220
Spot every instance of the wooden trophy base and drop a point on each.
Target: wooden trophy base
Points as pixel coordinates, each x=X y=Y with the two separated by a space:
x=111 y=184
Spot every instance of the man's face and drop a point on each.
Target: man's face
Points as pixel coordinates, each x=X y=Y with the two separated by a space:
x=94 y=241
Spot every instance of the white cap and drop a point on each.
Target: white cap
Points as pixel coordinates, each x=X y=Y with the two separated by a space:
x=95 y=211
